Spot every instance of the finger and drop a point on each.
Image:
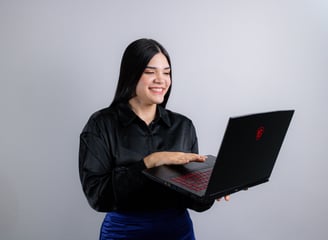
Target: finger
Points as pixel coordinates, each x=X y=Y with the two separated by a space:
x=197 y=158
x=227 y=198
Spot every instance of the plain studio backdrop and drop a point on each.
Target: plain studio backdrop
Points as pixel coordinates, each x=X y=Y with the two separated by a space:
x=59 y=63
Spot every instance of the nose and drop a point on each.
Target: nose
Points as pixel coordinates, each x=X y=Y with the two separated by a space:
x=159 y=77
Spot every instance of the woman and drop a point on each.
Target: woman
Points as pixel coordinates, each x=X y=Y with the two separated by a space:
x=134 y=133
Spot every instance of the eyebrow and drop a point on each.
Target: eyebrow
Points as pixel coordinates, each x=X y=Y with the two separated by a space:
x=151 y=67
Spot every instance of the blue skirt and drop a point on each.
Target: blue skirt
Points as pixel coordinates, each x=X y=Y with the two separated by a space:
x=159 y=225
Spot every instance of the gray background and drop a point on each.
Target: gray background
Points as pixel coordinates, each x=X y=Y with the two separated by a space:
x=59 y=63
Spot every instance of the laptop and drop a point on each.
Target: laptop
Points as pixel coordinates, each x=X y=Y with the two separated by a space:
x=245 y=159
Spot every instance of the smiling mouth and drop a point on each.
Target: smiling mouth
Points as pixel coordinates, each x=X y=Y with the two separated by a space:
x=157 y=90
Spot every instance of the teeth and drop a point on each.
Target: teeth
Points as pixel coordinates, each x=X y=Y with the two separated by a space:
x=157 y=89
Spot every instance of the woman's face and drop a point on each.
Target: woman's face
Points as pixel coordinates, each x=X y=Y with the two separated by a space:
x=154 y=82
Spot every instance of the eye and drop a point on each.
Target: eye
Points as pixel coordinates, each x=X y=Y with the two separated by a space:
x=149 y=72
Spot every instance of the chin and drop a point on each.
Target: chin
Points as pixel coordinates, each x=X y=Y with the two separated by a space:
x=158 y=101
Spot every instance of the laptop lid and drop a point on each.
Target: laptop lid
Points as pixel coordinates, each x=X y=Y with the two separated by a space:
x=248 y=152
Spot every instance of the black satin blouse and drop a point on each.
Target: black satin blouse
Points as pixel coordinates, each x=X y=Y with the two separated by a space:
x=112 y=147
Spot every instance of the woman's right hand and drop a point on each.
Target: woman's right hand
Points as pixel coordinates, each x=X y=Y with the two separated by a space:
x=176 y=158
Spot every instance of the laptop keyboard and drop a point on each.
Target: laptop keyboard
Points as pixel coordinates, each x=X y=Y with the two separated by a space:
x=196 y=181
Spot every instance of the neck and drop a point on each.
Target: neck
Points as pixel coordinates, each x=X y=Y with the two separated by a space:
x=145 y=112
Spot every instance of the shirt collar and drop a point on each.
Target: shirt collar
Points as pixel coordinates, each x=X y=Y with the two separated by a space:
x=163 y=115
x=127 y=116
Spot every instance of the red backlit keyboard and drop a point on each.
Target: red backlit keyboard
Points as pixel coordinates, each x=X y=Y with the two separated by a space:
x=196 y=181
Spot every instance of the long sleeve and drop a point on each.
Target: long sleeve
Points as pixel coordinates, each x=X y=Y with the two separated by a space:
x=108 y=185
x=95 y=170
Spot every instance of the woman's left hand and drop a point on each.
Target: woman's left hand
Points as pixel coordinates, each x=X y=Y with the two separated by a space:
x=227 y=198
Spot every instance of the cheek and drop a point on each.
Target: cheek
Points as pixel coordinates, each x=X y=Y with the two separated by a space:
x=140 y=89
x=168 y=83
x=143 y=81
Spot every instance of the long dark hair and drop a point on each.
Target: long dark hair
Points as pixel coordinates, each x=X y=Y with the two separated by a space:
x=134 y=61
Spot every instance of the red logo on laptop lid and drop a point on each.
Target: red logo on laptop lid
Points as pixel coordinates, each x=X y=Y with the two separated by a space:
x=259 y=133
